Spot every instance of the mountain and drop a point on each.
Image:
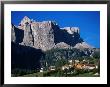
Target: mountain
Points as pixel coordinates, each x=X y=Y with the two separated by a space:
x=33 y=42
x=46 y=35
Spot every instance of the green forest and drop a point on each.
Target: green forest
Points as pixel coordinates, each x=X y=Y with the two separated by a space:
x=59 y=58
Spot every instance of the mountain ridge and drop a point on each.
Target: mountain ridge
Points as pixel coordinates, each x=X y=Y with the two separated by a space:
x=46 y=35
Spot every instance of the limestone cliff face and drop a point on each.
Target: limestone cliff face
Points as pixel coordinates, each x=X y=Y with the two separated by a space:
x=43 y=35
x=46 y=35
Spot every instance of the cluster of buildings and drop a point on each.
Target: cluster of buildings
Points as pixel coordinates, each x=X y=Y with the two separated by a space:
x=75 y=64
x=80 y=65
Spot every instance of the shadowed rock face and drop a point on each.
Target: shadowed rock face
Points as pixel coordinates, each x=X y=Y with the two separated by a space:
x=17 y=35
x=25 y=57
x=46 y=35
x=63 y=36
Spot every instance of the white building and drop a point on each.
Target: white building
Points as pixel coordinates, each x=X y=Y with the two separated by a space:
x=52 y=68
x=76 y=61
x=41 y=70
x=65 y=67
x=89 y=67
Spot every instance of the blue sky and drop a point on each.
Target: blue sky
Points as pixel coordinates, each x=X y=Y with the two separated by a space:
x=87 y=21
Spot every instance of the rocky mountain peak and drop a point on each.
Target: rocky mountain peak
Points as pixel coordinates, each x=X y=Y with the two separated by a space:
x=71 y=30
x=83 y=45
x=25 y=20
x=46 y=35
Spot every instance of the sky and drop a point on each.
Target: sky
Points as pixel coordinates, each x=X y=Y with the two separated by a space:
x=87 y=21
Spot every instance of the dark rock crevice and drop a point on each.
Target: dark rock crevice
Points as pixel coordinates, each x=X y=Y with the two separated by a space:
x=19 y=34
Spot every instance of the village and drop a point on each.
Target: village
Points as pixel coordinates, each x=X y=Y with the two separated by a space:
x=72 y=66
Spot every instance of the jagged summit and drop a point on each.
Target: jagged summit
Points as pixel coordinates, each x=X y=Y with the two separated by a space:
x=46 y=35
x=83 y=45
x=35 y=24
x=71 y=30
x=25 y=20
x=26 y=17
